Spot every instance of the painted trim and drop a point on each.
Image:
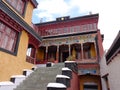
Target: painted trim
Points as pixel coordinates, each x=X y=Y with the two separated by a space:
x=9 y=22
x=20 y=21
x=66 y=35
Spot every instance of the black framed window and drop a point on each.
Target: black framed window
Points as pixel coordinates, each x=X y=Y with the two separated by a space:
x=18 y=5
x=8 y=38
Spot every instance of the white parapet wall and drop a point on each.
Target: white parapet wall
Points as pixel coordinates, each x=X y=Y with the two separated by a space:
x=7 y=85
x=56 y=85
x=66 y=69
x=62 y=76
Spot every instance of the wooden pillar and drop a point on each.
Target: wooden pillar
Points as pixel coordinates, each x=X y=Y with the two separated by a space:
x=69 y=50
x=95 y=50
x=35 y=55
x=57 y=53
x=46 y=54
x=32 y=52
x=82 y=51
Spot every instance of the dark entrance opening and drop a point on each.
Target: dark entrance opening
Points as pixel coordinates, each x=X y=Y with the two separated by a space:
x=90 y=87
x=65 y=56
x=63 y=53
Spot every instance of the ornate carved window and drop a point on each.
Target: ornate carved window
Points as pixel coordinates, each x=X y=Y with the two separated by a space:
x=8 y=37
x=19 y=5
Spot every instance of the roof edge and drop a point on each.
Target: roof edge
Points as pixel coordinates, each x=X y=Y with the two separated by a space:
x=113 y=43
x=34 y=2
x=110 y=54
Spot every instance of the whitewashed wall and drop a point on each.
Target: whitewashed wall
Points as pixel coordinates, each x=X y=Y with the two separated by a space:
x=114 y=73
x=103 y=71
x=113 y=69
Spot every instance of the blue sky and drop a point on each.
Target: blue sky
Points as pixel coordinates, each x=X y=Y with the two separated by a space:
x=109 y=14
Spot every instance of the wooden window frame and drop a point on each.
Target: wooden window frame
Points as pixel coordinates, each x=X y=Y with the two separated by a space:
x=16 y=39
x=17 y=3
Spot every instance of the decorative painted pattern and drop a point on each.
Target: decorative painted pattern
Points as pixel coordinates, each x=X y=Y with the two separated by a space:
x=87 y=71
x=69 y=40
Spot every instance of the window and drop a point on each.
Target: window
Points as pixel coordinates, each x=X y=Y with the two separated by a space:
x=19 y=5
x=95 y=26
x=89 y=51
x=8 y=38
x=90 y=86
x=29 y=50
x=86 y=49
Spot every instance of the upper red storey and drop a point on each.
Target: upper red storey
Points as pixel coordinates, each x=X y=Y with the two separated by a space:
x=66 y=25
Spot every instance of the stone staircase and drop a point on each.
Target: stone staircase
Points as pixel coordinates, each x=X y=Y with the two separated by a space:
x=39 y=79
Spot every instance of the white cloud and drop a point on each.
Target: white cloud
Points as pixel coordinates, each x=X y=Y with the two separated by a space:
x=109 y=15
x=49 y=8
x=85 y=5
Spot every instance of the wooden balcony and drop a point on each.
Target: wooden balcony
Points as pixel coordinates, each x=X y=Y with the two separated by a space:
x=30 y=59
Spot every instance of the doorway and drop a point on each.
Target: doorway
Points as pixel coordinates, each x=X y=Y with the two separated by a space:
x=90 y=87
x=63 y=53
x=65 y=56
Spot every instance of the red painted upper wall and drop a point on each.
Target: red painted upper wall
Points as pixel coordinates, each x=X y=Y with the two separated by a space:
x=66 y=25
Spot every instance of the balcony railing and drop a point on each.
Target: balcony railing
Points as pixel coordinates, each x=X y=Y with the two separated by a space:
x=30 y=59
x=68 y=30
